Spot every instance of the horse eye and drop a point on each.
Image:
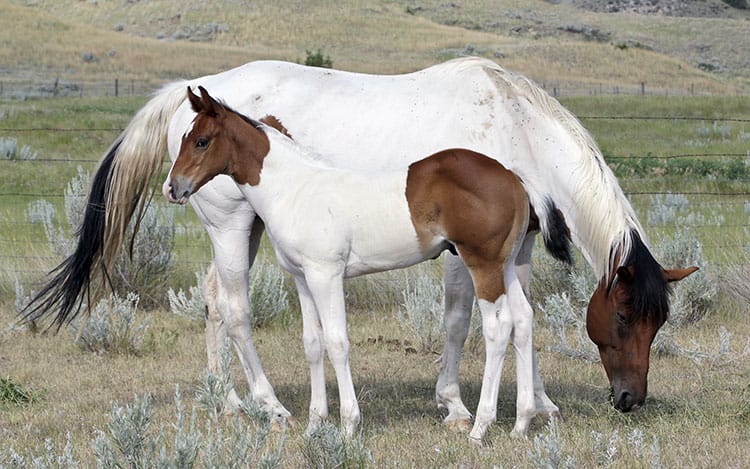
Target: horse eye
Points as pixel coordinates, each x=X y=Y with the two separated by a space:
x=621 y=318
x=201 y=143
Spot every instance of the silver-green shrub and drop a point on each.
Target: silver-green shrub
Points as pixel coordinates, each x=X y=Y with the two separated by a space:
x=9 y=150
x=421 y=313
x=267 y=292
x=112 y=327
x=326 y=447
x=146 y=272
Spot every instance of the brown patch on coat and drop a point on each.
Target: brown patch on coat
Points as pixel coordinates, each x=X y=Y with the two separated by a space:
x=275 y=122
x=473 y=202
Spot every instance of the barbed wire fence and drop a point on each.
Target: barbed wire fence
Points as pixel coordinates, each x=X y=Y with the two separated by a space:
x=56 y=87
x=28 y=255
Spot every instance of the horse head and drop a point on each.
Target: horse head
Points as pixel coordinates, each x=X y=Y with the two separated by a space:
x=221 y=141
x=624 y=314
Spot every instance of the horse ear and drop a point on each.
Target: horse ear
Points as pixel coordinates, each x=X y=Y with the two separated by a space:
x=210 y=105
x=195 y=101
x=673 y=275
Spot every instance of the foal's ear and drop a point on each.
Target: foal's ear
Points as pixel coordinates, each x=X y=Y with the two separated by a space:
x=210 y=105
x=195 y=101
x=673 y=275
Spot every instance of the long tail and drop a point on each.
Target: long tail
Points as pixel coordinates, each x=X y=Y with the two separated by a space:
x=120 y=189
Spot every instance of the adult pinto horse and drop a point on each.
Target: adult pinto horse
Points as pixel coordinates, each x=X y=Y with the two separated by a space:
x=378 y=122
x=327 y=224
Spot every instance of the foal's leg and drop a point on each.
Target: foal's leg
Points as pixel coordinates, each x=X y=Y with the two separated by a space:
x=313 y=339
x=327 y=291
x=231 y=257
x=459 y=298
x=523 y=324
x=542 y=402
x=497 y=325
x=216 y=333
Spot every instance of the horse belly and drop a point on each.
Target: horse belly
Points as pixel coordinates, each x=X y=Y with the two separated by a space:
x=382 y=234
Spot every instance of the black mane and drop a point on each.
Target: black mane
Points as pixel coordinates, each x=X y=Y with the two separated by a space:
x=648 y=291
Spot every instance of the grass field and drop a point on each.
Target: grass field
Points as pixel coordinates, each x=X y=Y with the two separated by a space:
x=697 y=414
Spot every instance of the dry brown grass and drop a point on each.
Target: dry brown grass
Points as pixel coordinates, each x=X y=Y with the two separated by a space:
x=698 y=413
x=380 y=37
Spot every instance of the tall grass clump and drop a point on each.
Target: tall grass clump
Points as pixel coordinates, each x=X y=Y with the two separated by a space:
x=145 y=272
x=112 y=327
x=317 y=59
x=13 y=393
x=9 y=150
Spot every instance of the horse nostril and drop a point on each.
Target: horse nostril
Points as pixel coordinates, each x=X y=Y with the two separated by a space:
x=624 y=402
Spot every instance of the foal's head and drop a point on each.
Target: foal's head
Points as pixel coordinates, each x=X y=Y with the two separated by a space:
x=624 y=315
x=221 y=141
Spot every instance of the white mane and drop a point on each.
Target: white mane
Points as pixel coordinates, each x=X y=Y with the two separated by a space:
x=604 y=217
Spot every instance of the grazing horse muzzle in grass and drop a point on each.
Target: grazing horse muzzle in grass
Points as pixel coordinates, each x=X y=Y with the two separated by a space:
x=326 y=224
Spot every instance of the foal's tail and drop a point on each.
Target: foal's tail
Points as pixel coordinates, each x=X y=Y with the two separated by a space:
x=119 y=190
x=555 y=232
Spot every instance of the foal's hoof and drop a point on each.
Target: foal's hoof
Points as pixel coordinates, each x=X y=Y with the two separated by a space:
x=476 y=442
x=283 y=423
x=459 y=425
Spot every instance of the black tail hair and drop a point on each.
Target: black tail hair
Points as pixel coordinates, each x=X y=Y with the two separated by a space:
x=557 y=236
x=71 y=280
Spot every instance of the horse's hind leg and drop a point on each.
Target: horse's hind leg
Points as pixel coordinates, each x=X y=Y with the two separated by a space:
x=459 y=299
x=523 y=325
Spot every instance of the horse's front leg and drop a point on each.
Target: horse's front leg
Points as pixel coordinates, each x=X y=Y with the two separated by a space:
x=232 y=262
x=459 y=299
x=327 y=291
x=216 y=334
x=313 y=339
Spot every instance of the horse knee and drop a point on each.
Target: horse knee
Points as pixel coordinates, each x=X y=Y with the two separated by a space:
x=337 y=346
x=313 y=348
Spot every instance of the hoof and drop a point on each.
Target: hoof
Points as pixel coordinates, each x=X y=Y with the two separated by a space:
x=476 y=442
x=519 y=435
x=458 y=425
x=551 y=415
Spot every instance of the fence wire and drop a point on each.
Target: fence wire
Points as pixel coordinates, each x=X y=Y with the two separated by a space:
x=728 y=200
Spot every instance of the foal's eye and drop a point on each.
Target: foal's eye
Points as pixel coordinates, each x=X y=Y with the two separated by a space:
x=201 y=143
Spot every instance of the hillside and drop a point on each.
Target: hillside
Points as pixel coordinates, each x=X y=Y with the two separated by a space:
x=562 y=43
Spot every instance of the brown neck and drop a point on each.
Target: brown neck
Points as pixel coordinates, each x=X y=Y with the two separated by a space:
x=252 y=146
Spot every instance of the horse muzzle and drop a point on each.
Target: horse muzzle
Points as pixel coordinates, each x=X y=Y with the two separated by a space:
x=625 y=401
x=177 y=190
